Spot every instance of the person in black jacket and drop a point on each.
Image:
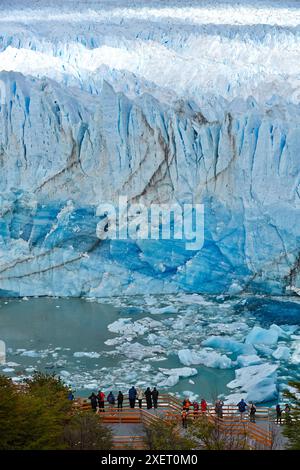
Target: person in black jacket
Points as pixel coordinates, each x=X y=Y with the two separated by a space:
x=155 y=397
x=148 y=395
x=94 y=401
x=120 y=399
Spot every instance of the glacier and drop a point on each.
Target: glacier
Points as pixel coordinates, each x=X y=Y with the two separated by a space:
x=164 y=102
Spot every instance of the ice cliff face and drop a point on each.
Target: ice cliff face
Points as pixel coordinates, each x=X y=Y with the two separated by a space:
x=164 y=103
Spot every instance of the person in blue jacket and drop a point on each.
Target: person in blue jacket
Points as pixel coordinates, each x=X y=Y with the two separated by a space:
x=242 y=406
x=132 y=396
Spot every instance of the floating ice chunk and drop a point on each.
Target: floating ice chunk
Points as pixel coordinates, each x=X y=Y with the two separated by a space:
x=115 y=341
x=228 y=344
x=158 y=339
x=126 y=326
x=295 y=359
x=251 y=360
x=169 y=381
x=92 y=355
x=282 y=353
x=139 y=351
x=191 y=382
x=8 y=369
x=64 y=373
x=161 y=310
x=258 y=383
x=180 y=371
x=206 y=357
x=34 y=353
x=174 y=375
x=264 y=350
x=12 y=364
x=260 y=335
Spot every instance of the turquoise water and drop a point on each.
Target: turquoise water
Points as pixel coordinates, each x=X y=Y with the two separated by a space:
x=45 y=333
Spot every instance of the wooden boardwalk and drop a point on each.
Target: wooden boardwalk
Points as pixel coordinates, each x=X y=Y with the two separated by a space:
x=128 y=424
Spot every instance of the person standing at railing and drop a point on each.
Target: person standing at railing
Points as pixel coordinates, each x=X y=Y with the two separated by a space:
x=120 y=399
x=278 y=414
x=195 y=408
x=203 y=405
x=132 y=396
x=148 y=395
x=111 y=400
x=140 y=396
x=287 y=413
x=101 y=400
x=94 y=402
x=242 y=406
x=252 y=413
x=184 y=416
x=155 y=397
x=219 y=408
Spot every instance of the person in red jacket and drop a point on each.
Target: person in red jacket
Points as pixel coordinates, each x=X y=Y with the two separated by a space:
x=101 y=400
x=203 y=406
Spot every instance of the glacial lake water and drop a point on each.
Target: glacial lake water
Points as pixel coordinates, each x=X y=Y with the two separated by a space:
x=67 y=337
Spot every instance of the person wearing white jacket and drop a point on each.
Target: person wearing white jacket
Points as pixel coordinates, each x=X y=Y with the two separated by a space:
x=140 y=396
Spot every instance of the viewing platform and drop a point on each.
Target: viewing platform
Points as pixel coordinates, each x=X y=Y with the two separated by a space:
x=128 y=424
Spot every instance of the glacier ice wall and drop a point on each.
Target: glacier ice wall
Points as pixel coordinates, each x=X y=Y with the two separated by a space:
x=186 y=102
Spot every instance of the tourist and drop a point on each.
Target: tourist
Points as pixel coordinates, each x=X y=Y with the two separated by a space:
x=132 y=396
x=219 y=408
x=111 y=400
x=155 y=397
x=140 y=396
x=101 y=400
x=278 y=414
x=94 y=401
x=120 y=399
x=186 y=404
x=184 y=416
x=242 y=406
x=252 y=413
x=71 y=396
x=148 y=395
x=203 y=406
x=287 y=413
x=196 y=408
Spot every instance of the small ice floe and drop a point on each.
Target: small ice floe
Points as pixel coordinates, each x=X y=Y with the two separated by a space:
x=250 y=360
x=92 y=355
x=126 y=326
x=282 y=353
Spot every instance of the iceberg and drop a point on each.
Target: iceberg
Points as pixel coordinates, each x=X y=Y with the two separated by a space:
x=282 y=353
x=205 y=357
x=228 y=344
x=257 y=383
x=260 y=335
x=250 y=360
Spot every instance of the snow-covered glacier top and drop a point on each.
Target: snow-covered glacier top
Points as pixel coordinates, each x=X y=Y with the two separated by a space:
x=188 y=48
x=187 y=101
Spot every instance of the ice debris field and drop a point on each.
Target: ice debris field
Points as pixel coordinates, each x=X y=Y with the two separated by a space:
x=185 y=344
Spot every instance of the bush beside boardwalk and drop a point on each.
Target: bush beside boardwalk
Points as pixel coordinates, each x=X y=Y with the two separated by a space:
x=39 y=416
